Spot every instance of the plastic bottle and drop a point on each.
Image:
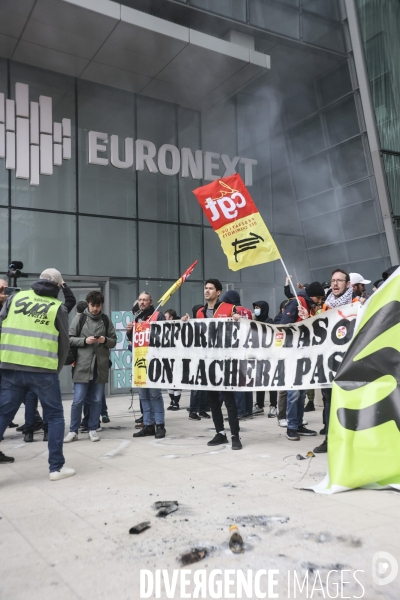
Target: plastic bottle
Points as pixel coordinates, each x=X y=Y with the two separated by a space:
x=235 y=541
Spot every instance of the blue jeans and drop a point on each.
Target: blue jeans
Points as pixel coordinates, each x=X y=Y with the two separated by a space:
x=295 y=408
x=94 y=391
x=244 y=403
x=86 y=408
x=31 y=404
x=153 y=406
x=14 y=387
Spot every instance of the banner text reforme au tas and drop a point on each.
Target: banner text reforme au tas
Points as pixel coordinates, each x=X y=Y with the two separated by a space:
x=223 y=354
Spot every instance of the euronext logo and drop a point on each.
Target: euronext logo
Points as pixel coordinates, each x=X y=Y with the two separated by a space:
x=29 y=140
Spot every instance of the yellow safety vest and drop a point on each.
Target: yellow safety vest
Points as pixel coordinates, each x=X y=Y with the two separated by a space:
x=28 y=334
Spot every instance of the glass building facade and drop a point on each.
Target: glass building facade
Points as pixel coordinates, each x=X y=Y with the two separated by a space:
x=125 y=230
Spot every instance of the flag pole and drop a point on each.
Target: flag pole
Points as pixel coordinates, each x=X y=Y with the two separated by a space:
x=290 y=281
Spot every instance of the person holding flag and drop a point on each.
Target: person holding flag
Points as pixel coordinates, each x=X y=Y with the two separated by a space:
x=151 y=399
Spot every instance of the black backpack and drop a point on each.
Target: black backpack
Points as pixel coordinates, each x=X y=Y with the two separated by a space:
x=73 y=350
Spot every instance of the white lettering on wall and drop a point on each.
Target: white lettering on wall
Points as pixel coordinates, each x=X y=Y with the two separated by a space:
x=169 y=160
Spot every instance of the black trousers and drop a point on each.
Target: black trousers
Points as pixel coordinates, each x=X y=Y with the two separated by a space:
x=216 y=411
x=260 y=398
x=326 y=397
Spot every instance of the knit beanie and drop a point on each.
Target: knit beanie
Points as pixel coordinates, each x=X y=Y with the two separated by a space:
x=315 y=289
x=52 y=275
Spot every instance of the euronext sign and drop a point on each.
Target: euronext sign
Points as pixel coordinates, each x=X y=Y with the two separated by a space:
x=32 y=145
x=167 y=160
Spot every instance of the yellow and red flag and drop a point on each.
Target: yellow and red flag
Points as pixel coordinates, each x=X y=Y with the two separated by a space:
x=165 y=297
x=231 y=212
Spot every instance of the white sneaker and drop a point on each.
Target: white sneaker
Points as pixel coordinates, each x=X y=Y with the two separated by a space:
x=65 y=472
x=257 y=410
x=99 y=429
x=282 y=422
x=93 y=437
x=272 y=411
x=71 y=437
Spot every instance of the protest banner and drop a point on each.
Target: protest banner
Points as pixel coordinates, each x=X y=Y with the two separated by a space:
x=223 y=354
x=364 y=428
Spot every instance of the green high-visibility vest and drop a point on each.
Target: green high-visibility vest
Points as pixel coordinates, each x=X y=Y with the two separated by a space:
x=28 y=334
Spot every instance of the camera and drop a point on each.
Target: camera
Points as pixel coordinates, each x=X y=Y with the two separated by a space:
x=14 y=271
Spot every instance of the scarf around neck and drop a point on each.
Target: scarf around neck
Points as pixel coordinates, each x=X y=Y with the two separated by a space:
x=345 y=298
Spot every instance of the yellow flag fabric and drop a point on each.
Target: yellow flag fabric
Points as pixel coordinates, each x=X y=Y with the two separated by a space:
x=244 y=236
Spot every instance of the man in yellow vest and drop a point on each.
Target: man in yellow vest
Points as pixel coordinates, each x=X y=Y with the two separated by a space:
x=34 y=344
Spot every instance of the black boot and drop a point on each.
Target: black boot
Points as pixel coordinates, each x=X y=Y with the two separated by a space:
x=310 y=406
x=174 y=402
x=28 y=437
x=147 y=430
x=160 y=431
x=46 y=436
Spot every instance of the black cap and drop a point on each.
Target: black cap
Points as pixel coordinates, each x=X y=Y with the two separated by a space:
x=315 y=289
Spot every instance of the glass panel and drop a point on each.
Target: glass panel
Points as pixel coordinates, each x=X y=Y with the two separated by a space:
x=43 y=240
x=312 y=176
x=322 y=32
x=123 y=294
x=366 y=247
x=359 y=220
x=348 y=161
x=354 y=193
x=379 y=24
x=157 y=193
x=392 y=167
x=236 y=9
x=335 y=84
x=158 y=250
x=189 y=136
x=107 y=247
x=280 y=19
x=105 y=189
x=331 y=255
x=325 y=8
x=306 y=138
x=341 y=121
x=192 y=293
x=191 y=249
x=300 y=105
x=3 y=170
x=319 y=233
x=4 y=242
x=56 y=191
x=317 y=205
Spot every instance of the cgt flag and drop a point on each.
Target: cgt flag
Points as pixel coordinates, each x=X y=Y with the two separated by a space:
x=364 y=429
x=244 y=237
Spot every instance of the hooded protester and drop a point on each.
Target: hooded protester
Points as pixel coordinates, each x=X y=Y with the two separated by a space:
x=261 y=312
x=386 y=274
x=232 y=297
